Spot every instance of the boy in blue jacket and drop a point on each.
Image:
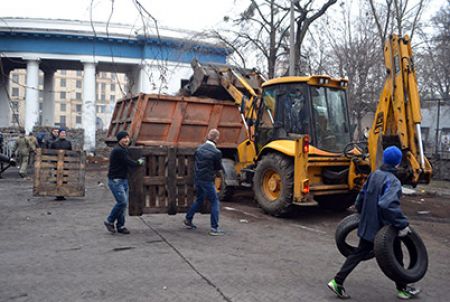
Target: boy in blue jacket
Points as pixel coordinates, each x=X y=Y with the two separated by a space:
x=378 y=204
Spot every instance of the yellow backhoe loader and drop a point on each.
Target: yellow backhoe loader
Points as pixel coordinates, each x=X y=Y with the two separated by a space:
x=298 y=149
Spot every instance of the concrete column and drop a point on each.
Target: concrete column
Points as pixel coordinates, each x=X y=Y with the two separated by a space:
x=129 y=90
x=5 y=110
x=48 y=105
x=140 y=79
x=32 y=95
x=88 y=117
x=145 y=79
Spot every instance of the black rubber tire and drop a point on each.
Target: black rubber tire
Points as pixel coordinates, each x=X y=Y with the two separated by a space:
x=337 y=203
x=225 y=192
x=285 y=168
x=391 y=267
x=344 y=228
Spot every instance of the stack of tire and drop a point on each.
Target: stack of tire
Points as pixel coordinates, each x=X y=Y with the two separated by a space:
x=384 y=250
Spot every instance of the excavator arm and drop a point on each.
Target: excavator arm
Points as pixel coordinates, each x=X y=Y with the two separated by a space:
x=398 y=117
x=221 y=81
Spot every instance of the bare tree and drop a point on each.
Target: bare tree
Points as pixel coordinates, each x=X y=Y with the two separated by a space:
x=355 y=54
x=260 y=29
x=396 y=16
x=307 y=14
x=434 y=58
x=264 y=28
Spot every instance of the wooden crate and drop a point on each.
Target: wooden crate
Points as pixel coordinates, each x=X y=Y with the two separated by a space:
x=59 y=173
x=165 y=184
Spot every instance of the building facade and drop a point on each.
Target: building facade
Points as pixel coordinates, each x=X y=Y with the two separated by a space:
x=68 y=97
x=52 y=59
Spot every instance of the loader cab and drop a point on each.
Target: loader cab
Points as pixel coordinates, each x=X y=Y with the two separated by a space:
x=294 y=106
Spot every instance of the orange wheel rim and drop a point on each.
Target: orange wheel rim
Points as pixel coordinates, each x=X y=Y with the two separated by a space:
x=272 y=185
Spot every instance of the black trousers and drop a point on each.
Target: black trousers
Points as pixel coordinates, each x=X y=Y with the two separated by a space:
x=364 y=248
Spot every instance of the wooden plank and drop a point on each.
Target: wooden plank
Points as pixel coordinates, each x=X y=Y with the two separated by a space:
x=186 y=151
x=179 y=179
x=56 y=152
x=59 y=170
x=159 y=150
x=67 y=166
x=162 y=173
x=154 y=180
x=190 y=181
x=136 y=176
x=152 y=189
x=171 y=181
x=164 y=210
x=52 y=158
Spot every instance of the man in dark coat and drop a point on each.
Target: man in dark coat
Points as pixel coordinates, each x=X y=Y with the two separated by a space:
x=53 y=137
x=62 y=143
x=119 y=164
x=378 y=204
x=208 y=161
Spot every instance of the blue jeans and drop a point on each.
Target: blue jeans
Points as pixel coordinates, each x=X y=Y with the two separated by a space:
x=119 y=188
x=206 y=189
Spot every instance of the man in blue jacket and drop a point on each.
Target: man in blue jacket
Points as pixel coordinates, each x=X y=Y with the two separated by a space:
x=378 y=204
x=208 y=161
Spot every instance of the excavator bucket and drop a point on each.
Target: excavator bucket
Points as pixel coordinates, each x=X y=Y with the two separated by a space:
x=209 y=80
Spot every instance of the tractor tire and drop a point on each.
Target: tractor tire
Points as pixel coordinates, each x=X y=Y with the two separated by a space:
x=337 y=203
x=344 y=228
x=273 y=184
x=388 y=262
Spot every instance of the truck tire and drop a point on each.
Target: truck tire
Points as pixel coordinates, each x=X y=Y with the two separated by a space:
x=227 y=181
x=337 y=203
x=273 y=184
x=388 y=262
x=344 y=228
x=224 y=192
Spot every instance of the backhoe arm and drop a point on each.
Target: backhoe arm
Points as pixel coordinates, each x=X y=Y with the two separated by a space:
x=398 y=117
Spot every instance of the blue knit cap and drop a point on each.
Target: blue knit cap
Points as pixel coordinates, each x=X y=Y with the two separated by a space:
x=392 y=156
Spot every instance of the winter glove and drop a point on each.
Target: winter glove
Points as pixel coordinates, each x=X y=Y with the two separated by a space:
x=141 y=161
x=404 y=232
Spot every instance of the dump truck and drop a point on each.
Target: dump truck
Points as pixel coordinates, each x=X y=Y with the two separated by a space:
x=287 y=138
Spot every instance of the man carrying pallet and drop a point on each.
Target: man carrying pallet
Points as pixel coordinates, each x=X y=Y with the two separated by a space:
x=208 y=161
x=119 y=162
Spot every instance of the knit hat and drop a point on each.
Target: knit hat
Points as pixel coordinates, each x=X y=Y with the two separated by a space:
x=121 y=135
x=62 y=129
x=392 y=156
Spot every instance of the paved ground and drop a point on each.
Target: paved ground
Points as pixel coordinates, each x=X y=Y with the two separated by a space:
x=60 y=251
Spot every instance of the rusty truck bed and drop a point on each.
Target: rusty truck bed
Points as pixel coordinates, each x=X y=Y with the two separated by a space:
x=181 y=121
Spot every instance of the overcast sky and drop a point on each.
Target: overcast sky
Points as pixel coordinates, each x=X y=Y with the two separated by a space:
x=195 y=15
x=192 y=15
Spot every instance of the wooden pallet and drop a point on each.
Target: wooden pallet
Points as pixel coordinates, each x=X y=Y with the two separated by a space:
x=165 y=184
x=59 y=173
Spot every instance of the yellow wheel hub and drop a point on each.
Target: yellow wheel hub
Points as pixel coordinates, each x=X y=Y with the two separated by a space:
x=272 y=185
